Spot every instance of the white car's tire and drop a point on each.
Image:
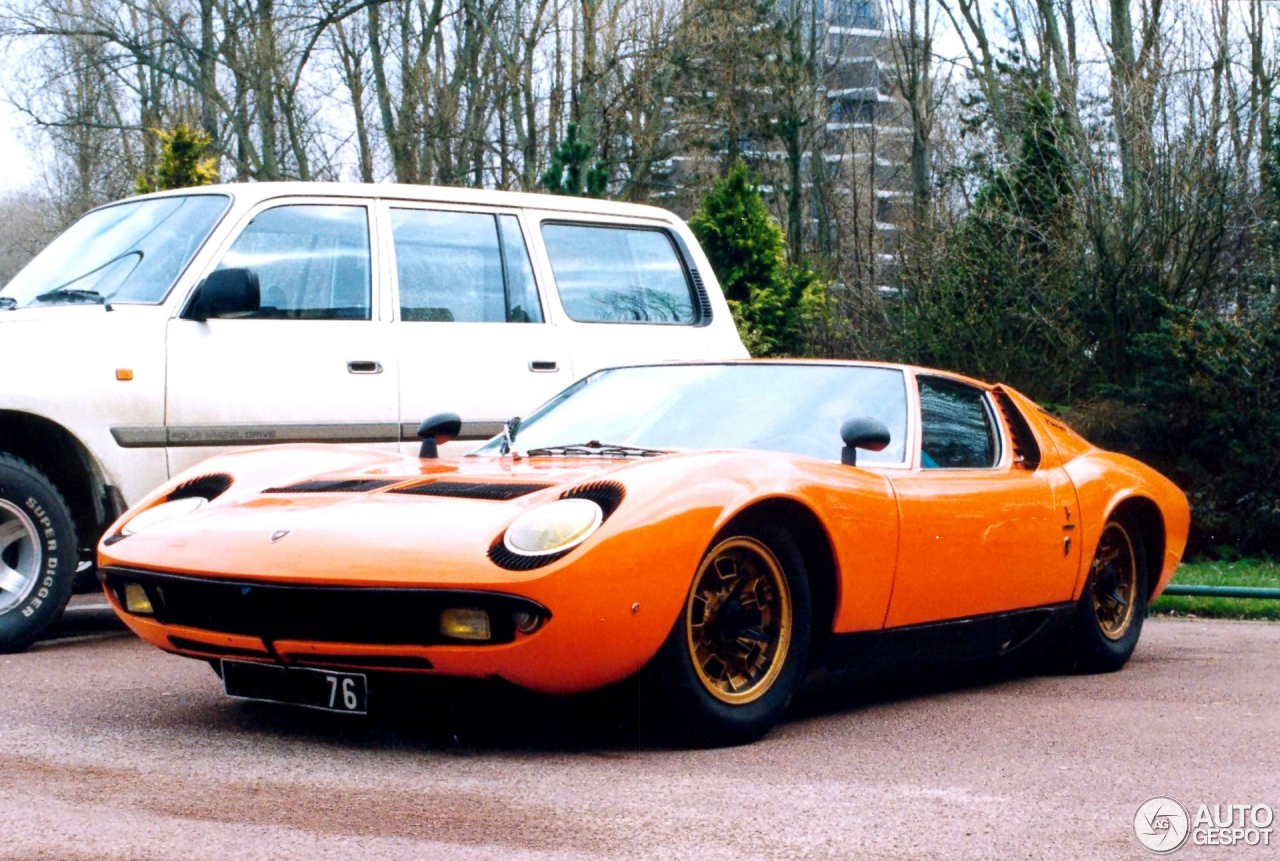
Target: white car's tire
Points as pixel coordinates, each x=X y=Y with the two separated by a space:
x=38 y=556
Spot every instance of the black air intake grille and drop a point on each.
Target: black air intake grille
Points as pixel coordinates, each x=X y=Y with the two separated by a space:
x=321 y=614
x=340 y=485
x=472 y=490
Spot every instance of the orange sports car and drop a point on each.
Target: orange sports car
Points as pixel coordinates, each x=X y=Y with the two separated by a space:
x=706 y=527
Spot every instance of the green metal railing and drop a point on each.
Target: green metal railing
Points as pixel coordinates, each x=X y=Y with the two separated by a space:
x=1221 y=591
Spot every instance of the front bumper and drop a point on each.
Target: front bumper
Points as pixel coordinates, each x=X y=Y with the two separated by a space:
x=383 y=629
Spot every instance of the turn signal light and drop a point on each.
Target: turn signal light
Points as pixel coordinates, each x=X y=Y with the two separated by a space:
x=136 y=600
x=465 y=623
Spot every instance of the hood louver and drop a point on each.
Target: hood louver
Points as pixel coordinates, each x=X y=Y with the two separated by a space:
x=501 y=491
x=348 y=485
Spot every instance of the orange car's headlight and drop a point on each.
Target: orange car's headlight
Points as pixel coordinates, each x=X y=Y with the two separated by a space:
x=554 y=527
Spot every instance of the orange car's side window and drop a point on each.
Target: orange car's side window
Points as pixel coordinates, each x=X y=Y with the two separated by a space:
x=957 y=429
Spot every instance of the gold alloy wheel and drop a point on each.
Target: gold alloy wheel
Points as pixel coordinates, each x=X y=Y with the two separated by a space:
x=738 y=621
x=1115 y=582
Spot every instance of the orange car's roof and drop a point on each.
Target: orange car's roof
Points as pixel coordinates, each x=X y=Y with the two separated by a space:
x=852 y=363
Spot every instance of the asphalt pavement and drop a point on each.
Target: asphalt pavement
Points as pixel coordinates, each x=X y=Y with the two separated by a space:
x=110 y=749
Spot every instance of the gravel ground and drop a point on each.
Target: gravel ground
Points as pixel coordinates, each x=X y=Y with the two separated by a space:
x=113 y=750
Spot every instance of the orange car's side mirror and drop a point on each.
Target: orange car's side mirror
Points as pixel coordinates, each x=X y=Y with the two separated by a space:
x=436 y=431
x=862 y=432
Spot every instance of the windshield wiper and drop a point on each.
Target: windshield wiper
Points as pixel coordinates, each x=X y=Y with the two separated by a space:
x=8 y=303
x=66 y=294
x=595 y=448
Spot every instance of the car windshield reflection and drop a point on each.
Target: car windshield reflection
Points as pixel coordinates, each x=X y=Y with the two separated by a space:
x=127 y=252
x=792 y=408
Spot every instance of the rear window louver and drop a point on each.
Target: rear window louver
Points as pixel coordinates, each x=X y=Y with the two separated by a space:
x=1026 y=451
x=473 y=490
x=341 y=485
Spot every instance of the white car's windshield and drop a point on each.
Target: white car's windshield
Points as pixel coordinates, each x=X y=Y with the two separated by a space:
x=767 y=407
x=129 y=252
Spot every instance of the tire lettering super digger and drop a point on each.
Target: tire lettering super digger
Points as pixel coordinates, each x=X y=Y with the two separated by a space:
x=31 y=497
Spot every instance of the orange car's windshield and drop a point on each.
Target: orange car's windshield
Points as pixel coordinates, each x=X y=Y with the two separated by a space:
x=767 y=407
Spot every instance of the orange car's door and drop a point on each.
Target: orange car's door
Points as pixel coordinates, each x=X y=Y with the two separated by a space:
x=980 y=533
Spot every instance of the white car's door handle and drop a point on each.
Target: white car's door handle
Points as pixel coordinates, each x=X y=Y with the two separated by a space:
x=540 y=367
x=360 y=367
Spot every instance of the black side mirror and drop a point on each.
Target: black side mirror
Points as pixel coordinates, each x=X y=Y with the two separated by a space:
x=436 y=431
x=225 y=293
x=863 y=432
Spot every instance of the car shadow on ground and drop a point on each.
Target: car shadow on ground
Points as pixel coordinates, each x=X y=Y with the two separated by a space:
x=85 y=616
x=470 y=717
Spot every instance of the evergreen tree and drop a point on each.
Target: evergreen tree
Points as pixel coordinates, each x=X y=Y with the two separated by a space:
x=569 y=173
x=185 y=161
x=1005 y=300
x=747 y=250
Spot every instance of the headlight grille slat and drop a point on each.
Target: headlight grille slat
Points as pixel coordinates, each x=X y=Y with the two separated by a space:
x=606 y=494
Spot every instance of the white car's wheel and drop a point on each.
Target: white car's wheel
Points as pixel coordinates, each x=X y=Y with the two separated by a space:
x=37 y=554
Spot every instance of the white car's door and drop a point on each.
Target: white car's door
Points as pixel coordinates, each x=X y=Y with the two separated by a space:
x=630 y=294
x=313 y=364
x=472 y=334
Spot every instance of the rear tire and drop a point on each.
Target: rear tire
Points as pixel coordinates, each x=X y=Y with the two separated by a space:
x=38 y=556
x=739 y=648
x=1109 y=615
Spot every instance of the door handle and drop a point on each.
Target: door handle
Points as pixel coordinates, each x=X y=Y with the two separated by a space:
x=540 y=367
x=364 y=367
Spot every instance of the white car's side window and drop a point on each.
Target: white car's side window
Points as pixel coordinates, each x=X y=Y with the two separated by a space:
x=312 y=261
x=463 y=267
x=619 y=274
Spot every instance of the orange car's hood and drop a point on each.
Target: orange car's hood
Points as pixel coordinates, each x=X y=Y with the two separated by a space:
x=375 y=537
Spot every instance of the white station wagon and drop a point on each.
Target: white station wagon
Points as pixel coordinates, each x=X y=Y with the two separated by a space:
x=161 y=330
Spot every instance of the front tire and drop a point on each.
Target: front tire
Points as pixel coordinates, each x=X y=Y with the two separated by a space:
x=1108 y=618
x=738 y=650
x=38 y=556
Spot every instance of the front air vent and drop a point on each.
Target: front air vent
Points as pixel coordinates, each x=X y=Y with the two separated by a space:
x=473 y=490
x=207 y=487
x=188 y=645
x=606 y=494
x=341 y=485
x=274 y=612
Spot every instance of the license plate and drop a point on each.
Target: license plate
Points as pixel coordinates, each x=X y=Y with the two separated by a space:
x=315 y=689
